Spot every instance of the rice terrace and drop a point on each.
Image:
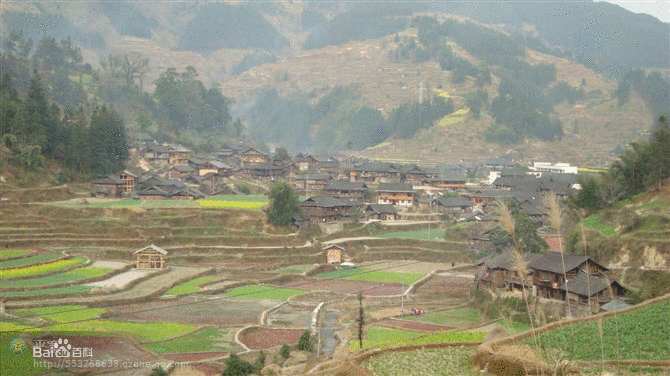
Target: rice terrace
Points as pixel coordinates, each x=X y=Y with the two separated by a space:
x=334 y=188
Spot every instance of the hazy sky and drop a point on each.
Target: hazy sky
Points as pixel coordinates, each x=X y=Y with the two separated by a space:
x=657 y=8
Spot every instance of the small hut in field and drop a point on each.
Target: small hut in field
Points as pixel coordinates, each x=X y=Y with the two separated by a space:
x=150 y=257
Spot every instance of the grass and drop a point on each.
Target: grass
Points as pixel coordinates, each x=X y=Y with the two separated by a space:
x=458 y=317
x=379 y=337
x=62 y=314
x=433 y=234
x=5 y=254
x=258 y=292
x=42 y=257
x=643 y=334
x=190 y=287
x=594 y=222
x=360 y=274
x=40 y=269
x=203 y=340
x=433 y=362
x=240 y=198
x=231 y=204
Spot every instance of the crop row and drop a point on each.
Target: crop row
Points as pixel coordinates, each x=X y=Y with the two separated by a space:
x=360 y=274
x=40 y=269
x=378 y=337
x=431 y=362
x=11 y=253
x=643 y=334
x=258 y=292
x=39 y=258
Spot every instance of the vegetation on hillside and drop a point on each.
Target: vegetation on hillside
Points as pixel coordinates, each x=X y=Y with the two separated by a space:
x=283 y=205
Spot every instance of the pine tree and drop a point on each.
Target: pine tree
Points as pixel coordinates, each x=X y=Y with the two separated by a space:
x=283 y=205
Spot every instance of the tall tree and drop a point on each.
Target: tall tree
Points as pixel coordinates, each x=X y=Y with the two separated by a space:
x=283 y=205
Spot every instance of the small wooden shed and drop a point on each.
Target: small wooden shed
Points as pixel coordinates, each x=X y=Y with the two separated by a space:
x=150 y=257
x=333 y=254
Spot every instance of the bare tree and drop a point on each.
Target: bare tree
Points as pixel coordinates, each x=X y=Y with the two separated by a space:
x=130 y=67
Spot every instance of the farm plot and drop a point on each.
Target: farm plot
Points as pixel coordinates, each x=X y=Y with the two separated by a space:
x=445 y=288
x=347 y=286
x=191 y=286
x=379 y=337
x=121 y=280
x=52 y=279
x=641 y=334
x=9 y=253
x=67 y=290
x=201 y=311
x=235 y=202
x=433 y=234
x=41 y=269
x=361 y=274
x=291 y=316
x=208 y=339
x=464 y=317
x=25 y=261
x=261 y=292
x=412 y=325
x=265 y=338
x=403 y=266
x=425 y=362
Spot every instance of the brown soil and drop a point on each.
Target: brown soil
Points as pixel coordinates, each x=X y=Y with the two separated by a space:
x=193 y=357
x=385 y=290
x=344 y=286
x=226 y=312
x=412 y=325
x=264 y=338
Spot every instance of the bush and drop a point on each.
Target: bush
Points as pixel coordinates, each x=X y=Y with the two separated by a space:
x=158 y=371
x=260 y=362
x=285 y=351
x=305 y=342
x=237 y=367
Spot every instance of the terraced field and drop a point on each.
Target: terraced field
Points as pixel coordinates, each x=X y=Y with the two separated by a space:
x=380 y=337
x=258 y=292
x=25 y=261
x=34 y=270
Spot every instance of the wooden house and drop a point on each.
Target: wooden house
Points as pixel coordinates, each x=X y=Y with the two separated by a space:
x=334 y=254
x=413 y=175
x=381 y=212
x=152 y=193
x=375 y=172
x=549 y=274
x=107 y=186
x=180 y=172
x=499 y=271
x=263 y=170
x=346 y=190
x=178 y=155
x=129 y=180
x=596 y=290
x=185 y=194
x=329 y=167
x=305 y=162
x=311 y=182
x=397 y=194
x=449 y=180
x=453 y=204
x=325 y=209
x=150 y=257
x=253 y=156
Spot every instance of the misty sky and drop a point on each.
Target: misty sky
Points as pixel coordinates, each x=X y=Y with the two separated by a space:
x=657 y=8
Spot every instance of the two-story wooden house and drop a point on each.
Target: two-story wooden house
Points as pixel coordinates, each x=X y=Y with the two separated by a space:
x=550 y=271
x=397 y=194
x=346 y=190
x=325 y=209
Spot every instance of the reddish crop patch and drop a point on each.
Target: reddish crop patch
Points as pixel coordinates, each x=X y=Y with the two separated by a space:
x=384 y=290
x=265 y=338
x=342 y=286
x=194 y=357
x=209 y=369
x=412 y=325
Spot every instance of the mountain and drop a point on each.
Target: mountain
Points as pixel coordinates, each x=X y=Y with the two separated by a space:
x=390 y=57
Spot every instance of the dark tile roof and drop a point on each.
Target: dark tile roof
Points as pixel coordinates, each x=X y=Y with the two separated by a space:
x=552 y=262
x=586 y=285
x=344 y=185
x=449 y=176
x=395 y=187
x=312 y=177
x=108 y=180
x=152 y=191
x=381 y=209
x=325 y=202
x=453 y=202
x=505 y=260
x=376 y=166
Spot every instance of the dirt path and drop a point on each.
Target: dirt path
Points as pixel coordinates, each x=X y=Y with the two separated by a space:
x=142 y=289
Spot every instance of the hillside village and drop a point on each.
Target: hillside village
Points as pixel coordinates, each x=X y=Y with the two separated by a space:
x=333 y=189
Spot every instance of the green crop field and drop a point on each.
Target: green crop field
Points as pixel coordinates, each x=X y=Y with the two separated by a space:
x=258 y=292
x=51 y=279
x=433 y=234
x=42 y=257
x=294 y=269
x=190 y=286
x=643 y=334
x=203 y=340
x=379 y=337
x=40 y=269
x=240 y=198
x=457 y=317
x=7 y=253
x=594 y=222
x=361 y=274
x=62 y=314
x=433 y=362
x=144 y=331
